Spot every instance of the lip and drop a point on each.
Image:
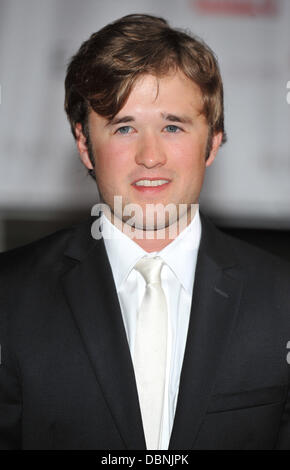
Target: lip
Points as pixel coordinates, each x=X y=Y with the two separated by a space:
x=151 y=189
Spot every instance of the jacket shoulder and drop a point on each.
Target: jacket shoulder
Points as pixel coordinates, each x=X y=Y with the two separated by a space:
x=252 y=255
x=44 y=253
x=253 y=260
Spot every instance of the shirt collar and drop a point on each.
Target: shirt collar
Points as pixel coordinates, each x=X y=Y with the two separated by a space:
x=180 y=255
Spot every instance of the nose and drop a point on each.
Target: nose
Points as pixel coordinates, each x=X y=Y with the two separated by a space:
x=150 y=152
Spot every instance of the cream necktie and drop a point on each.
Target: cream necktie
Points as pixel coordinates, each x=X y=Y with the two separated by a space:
x=150 y=350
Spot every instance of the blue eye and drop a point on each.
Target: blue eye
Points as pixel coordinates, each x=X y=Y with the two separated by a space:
x=172 y=129
x=124 y=130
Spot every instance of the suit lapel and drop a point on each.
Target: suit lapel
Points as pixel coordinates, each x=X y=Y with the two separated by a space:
x=90 y=291
x=215 y=302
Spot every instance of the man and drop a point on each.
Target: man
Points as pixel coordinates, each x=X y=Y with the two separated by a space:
x=144 y=327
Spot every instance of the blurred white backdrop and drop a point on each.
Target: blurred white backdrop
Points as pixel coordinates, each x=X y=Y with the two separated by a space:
x=248 y=184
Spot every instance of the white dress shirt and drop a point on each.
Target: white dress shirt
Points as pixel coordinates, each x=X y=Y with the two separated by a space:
x=177 y=279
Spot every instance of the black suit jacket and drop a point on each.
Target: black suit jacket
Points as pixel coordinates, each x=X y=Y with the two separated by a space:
x=66 y=375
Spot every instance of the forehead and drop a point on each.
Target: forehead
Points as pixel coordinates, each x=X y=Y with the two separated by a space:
x=154 y=97
x=172 y=90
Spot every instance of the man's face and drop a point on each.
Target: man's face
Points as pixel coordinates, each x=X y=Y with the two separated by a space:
x=159 y=134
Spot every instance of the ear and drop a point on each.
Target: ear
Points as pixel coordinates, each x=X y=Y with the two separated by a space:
x=216 y=142
x=82 y=146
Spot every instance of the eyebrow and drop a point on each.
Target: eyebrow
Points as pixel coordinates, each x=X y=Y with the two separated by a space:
x=166 y=116
x=173 y=118
x=120 y=120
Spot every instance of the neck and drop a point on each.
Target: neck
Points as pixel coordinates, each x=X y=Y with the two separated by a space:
x=156 y=240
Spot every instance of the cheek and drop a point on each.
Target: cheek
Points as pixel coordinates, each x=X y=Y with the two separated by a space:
x=111 y=158
x=188 y=155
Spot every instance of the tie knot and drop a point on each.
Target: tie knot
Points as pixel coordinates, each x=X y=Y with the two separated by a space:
x=150 y=269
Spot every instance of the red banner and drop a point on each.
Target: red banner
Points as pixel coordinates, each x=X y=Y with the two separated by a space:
x=237 y=7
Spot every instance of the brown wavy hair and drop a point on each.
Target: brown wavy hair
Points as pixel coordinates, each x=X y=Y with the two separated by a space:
x=100 y=76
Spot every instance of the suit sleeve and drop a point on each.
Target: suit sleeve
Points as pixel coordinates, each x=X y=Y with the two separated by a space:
x=10 y=392
x=283 y=441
